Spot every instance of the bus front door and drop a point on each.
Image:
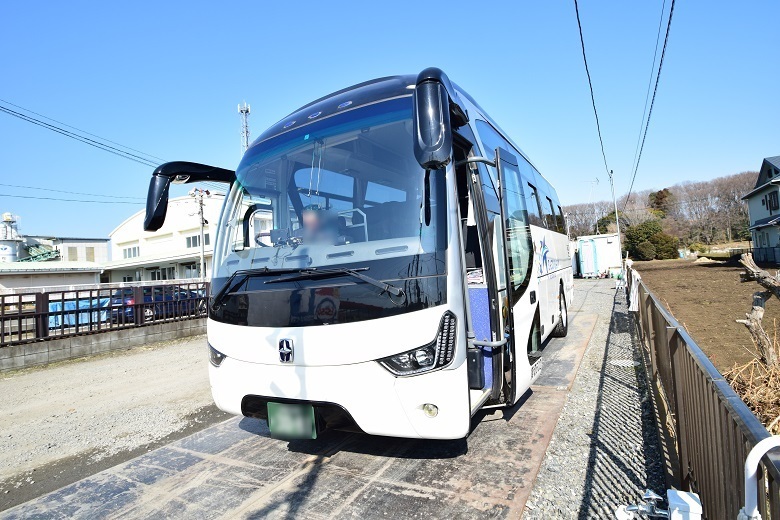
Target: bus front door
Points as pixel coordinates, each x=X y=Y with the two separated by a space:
x=515 y=257
x=488 y=297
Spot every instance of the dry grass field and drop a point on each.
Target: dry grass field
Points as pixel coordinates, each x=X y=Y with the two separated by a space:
x=707 y=298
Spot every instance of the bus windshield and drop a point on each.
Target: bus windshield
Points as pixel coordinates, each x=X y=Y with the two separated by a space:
x=343 y=191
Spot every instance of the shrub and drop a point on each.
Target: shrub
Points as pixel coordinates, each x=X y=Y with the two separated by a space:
x=645 y=251
x=698 y=247
x=665 y=246
x=639 y=233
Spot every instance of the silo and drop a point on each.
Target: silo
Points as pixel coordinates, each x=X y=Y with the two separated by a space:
x=9 y=239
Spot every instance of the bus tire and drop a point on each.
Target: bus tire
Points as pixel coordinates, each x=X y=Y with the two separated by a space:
x=562 y=329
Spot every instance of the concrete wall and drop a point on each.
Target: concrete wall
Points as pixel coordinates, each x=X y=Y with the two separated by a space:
x=48 y=279
x=45 y=352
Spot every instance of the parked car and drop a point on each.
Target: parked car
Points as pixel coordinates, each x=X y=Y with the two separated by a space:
x=159 y=302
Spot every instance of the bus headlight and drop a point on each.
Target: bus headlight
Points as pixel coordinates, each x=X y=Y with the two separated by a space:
x=215 y=356
x=436 y=354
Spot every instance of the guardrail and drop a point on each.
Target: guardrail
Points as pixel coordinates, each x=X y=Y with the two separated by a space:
x=27 y=317
x=713 y=428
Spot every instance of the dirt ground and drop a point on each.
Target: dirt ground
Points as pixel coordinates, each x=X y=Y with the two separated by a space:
x=69 y=420
x=707 y=298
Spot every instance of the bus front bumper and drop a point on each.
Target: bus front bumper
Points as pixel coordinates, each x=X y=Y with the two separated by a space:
x=378 y=402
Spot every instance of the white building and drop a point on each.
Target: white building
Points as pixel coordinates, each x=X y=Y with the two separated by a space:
x=70 y=249
x=172 y=252
x=49 y=275
x=764 y=206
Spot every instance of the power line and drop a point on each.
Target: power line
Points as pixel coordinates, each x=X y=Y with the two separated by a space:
x=80 y=130
x=590 y=85
x=72 y=200
x=92 y=142
x=652 y=102
x=77 y=137
x=69 y=192
x=649 y=83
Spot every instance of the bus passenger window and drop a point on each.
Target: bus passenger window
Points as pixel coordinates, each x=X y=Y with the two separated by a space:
x=549 y=214
x=561 y=220
x=533 y=206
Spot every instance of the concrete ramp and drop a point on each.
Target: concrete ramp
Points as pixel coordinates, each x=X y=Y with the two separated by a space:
x=235 y=470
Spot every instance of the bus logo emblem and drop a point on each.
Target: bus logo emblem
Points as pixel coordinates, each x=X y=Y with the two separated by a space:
x=285 y=350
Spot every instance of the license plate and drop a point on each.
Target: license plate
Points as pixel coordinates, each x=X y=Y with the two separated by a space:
x=291 y=421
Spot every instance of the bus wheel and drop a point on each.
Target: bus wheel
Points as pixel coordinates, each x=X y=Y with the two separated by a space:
x=562 y=328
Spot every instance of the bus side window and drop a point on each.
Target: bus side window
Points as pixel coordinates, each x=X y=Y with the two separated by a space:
x=555 y=223
x=561 y=220
x=549 y=214
x=533 y=206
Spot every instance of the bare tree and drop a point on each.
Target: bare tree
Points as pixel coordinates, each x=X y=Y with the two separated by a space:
x=707 y=211
x=767 y=353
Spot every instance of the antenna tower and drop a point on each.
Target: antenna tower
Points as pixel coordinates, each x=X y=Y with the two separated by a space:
x=243 y=109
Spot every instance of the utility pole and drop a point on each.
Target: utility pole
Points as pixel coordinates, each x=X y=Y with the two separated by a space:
x=243 y=109
x=199 y=194
x=617 y=222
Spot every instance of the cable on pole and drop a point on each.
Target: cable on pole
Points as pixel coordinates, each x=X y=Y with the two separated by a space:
x=590 y=85
x=652 y=102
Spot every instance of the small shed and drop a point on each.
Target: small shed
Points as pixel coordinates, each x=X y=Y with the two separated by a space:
x=598 y=255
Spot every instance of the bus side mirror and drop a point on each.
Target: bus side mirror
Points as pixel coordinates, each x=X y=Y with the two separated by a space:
x=436 y=109
x=157 y=202
x=431 y=128
x=177 y=172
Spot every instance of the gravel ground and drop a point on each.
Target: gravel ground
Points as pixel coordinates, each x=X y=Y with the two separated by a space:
x=77 y=413
x=605 y=450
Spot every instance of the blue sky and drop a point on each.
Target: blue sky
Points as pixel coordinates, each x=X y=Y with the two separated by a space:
x=165 y=78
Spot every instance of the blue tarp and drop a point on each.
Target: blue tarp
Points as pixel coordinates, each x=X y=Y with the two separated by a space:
x=94 y=310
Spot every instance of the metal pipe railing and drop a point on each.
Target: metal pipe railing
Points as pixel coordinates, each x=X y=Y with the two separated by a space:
x=27 y=317
x=713 y=428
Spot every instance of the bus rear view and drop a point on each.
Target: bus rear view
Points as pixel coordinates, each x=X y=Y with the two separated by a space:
x=341 y=294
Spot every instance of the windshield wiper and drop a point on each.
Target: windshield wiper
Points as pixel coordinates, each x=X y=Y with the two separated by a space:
x=242 y=275
x=313 y=273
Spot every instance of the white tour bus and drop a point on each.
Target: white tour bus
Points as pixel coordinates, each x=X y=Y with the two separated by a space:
x=387 y=261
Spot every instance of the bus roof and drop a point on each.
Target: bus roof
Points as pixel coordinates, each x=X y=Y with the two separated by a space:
x=362 y=94
x=342 y=100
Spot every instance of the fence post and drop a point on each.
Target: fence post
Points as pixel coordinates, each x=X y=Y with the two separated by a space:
x=138 y=305
x=41 y=315
x=675 y=345
x=650 y=332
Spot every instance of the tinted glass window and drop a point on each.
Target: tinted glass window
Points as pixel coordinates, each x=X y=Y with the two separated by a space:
x=549 y=215
x=380 y=193
x=533 y=207
x=561 y=221
x=518 y=235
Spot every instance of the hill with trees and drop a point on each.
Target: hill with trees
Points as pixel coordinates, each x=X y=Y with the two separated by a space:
x=688 y=214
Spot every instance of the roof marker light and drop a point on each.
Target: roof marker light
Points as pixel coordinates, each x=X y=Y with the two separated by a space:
x=345 y=104
x=289 y=124
x=315 y=114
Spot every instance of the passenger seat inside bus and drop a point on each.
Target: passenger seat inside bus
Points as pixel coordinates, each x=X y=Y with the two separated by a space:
x=390 y=220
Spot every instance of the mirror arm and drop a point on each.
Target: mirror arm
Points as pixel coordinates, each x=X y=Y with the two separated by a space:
x=472 y=160
x=177 y=172
x=182 y=172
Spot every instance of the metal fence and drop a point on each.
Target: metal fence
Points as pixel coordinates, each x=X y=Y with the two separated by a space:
x=26 y=317
x=713 y=429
